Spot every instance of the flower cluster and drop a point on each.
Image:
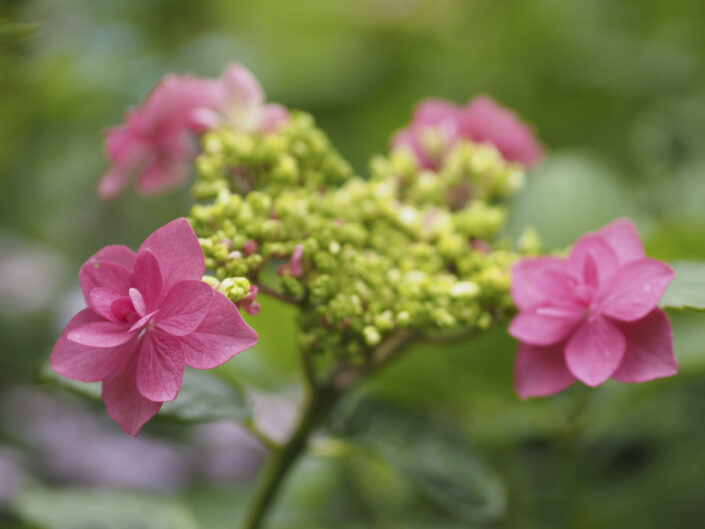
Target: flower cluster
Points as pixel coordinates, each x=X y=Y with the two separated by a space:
x=415 y=248
x=407 y=248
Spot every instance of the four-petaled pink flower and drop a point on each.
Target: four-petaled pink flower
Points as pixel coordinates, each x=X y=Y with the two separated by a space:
x=437 y=125
x=149 y=314
x=592 y=315
x=156 y=146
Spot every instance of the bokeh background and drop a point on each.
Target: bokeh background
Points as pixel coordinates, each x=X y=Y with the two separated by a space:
x=615 y=89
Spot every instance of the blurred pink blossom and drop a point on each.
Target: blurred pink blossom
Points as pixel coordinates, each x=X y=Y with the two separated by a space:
x=437 y=124
x=148 y=315
x=593 y=315
x=156 y=146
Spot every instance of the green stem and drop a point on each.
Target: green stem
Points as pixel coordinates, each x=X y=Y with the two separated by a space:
x=282 y=458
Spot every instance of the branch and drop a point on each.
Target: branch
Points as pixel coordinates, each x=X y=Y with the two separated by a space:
x=269 y=291
x=262 y=437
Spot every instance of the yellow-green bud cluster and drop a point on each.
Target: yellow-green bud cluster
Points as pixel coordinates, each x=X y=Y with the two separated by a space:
x=405 y=249
x=298 y=154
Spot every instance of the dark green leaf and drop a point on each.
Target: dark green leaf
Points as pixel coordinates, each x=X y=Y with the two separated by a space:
x=437 y=458
x=88 y=509
x=687 y=291
x=204 y=397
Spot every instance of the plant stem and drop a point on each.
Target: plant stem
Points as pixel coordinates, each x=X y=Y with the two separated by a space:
x=282 y=458
x=269 y=291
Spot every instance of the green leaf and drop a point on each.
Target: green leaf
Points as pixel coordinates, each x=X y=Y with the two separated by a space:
x=87 y=509
x=437 y=458
x=687 y=291
x=204 y=397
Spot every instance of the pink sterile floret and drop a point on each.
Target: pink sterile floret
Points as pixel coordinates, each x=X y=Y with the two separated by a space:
x=592 y=315
x=442 y=123
x=148 y=315
x=156 y=146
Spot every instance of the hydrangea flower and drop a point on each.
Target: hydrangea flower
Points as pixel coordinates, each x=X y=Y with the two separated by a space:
x=148 y=315
x=437 y=125
x=591 y=316
x=154 y=149
x=156 y=146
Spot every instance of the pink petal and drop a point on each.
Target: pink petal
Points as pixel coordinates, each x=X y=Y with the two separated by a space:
x=649 y=353
x=160 y=367
x=102 y=300
x=124 y=402
x=273 y=117
x=177 y=251
x=122 y=308
x=97 y=273
x=545 y=325
x=485 y=120
x=143 y=321
x=164 y=174
x=295 y=267
x=87 y=364
x=624 y=239
x=243 y=97
x=594 y=351
x=532 y=283
x=593 y=246
x=204 y=119
x=147 y=278
x=101 y=334
x=541 y=371
x=219 y=337
x=117 y=253
x=432 y=111
x=112 y=184
x=128 y=151
x=138 y=302
x=184 y=308
x=636 y=289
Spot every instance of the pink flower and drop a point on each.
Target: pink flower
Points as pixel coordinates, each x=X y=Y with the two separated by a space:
x=438 y=124
x=592 y=316
x=241 y=104
x=149 y=314
x=155 y=147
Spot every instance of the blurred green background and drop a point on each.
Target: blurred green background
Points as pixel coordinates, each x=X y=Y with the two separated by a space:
x=615 y=89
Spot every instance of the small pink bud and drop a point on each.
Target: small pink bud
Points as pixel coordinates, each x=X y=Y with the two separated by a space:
x=250 y=247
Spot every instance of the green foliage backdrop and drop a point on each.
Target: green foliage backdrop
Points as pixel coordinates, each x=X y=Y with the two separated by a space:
x=615 y=89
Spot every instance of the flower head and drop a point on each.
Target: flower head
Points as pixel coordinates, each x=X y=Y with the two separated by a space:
x=156 y=146
x=592 y=316
x=148 y=315
x=438 y=124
